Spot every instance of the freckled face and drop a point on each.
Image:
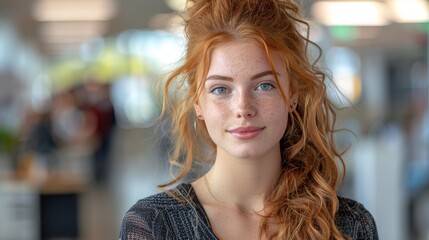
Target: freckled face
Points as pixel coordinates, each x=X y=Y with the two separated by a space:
x=241 y=103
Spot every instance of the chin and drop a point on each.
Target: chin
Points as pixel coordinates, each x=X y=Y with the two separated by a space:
x=247 y=154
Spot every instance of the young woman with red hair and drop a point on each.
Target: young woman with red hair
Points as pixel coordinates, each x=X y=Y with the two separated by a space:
x=248 y=102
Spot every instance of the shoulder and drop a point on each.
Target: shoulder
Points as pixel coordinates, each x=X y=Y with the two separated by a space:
x=152 y=217
x=354 y=220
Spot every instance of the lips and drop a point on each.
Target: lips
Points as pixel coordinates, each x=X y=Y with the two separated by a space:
x=247 y=132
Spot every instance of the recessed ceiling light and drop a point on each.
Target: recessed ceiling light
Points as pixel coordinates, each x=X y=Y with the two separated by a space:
x=350 y=13
x=74 y=10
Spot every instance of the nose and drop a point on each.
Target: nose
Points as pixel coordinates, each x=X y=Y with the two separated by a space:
x=244 y=106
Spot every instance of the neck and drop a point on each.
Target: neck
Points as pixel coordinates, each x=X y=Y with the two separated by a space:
x=243 y=182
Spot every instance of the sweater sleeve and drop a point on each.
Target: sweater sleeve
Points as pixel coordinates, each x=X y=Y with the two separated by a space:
x=368 y=228
x=355 y=221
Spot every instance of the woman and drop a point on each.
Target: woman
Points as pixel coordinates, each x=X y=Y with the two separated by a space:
x=248 y=101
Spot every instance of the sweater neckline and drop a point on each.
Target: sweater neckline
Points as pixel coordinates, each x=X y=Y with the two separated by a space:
x=189 y=191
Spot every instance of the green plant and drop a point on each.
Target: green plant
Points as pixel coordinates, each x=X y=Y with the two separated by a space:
x=9 y=141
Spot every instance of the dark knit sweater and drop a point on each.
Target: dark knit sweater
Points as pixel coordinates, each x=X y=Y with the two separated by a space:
x=162 y=217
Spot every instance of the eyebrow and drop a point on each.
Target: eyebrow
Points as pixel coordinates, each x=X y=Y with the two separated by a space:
x=256 y=76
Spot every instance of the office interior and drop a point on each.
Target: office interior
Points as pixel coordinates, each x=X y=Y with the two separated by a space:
x=79 y=139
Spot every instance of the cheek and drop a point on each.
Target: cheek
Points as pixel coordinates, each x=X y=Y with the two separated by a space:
x=215 y=113
x=278 y=112
x=214 y=108
x=275 y=106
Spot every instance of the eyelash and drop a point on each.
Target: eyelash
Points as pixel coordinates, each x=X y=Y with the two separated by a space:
x=225 y=90
x=215 y=90
x=267 y=84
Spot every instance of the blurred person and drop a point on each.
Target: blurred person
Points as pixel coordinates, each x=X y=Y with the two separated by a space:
x=73 y=124
x=97 y=101
x=248 y=102
x=40 y=138
x=37 y=156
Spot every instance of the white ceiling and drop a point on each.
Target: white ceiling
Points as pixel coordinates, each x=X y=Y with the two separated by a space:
x=130 y=14
x=136 y=14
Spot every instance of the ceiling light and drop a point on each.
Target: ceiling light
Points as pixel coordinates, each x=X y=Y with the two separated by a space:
x=178 y=5
x=74 y=10
x=350 y=13
x=71 y=29
x=408 y=11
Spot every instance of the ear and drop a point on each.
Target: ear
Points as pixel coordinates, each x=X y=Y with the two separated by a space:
x=293 y=102
x=198 y=111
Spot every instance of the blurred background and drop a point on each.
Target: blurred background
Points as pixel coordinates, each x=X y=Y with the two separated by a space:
x=78 y=140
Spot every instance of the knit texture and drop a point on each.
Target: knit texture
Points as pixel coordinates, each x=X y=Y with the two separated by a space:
x=162 y=217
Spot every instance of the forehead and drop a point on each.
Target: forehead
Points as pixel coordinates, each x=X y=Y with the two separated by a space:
x=241 y=56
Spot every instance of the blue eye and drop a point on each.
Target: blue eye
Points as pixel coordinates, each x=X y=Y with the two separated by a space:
x=265 y=86
x=219 y=90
